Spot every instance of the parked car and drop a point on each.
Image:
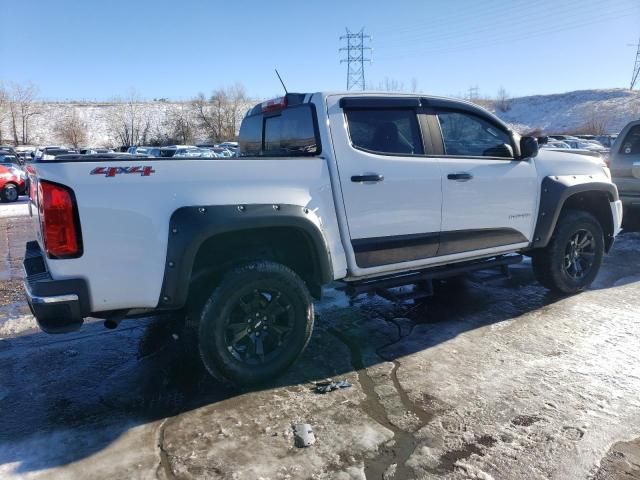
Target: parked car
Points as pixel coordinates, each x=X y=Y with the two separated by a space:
x=371 y=190
x=92 y=151
x=50 y=153
x=555 y=144
x=144 y=150
x=179 y=151
x=585 y=145
x=606 y=140
x=7 y=149
x=8 y=158
x=12 y=182
x=207 y=153
x=25 y=157
x=40 y=151
x=624 y=161
x=222 y=152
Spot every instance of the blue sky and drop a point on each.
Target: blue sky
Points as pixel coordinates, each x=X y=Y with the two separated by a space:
x=85 y=49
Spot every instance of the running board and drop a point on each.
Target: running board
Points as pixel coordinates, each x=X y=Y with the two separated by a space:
x=381 y=285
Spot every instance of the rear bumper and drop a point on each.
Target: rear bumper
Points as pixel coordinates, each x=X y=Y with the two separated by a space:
x=59 y=306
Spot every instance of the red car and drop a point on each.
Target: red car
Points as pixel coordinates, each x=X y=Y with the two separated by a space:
x=12 y=183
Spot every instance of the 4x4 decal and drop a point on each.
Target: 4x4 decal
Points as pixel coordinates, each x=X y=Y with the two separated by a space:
x=145 y=171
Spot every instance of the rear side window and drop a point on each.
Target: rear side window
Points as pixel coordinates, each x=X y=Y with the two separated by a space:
x=631 y=143
x=387 y=131
x=471 y=136
x=251 y=135
x=291 y=132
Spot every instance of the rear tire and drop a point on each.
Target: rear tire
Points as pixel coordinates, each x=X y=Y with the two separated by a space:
x=255 y=324
x=572 y=259
x=9 y=193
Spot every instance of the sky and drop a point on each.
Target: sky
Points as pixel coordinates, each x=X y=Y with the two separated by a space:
x=99 y=50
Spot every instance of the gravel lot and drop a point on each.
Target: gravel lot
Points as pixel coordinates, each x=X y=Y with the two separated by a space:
x=486 y=380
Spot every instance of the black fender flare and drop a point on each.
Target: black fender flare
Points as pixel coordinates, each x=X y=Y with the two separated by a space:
x=555 y=191
x=190 y=227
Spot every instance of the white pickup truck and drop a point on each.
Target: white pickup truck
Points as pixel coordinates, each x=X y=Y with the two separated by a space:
x=370 y=189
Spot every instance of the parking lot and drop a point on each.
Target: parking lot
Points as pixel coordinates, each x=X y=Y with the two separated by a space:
x=484 y=380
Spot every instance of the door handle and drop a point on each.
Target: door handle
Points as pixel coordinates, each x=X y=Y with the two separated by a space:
x=371 y=177
x=460 y=177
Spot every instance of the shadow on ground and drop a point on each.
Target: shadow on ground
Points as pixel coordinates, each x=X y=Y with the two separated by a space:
x=97 y=384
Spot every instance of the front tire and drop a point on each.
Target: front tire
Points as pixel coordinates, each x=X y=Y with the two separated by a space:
x=9 y=193
x=573 y=257
x=256 y=323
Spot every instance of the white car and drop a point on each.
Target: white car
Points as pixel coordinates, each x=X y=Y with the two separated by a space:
x=370 y=189
x=585 y=145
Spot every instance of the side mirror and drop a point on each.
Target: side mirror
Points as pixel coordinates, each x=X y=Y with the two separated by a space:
x=528 y=147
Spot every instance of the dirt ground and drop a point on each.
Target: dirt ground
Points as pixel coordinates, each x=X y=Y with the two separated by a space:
x=485 y=380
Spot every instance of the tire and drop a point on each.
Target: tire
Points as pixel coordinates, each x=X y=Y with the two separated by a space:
x=9 y=193
x=255 y=324
x=573 y=257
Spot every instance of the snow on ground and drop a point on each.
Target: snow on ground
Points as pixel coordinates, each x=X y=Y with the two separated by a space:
x=497 y=380
x=570 y=111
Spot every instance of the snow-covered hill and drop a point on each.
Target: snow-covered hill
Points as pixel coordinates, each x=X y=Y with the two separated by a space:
x=98 y=118
x=565 y=112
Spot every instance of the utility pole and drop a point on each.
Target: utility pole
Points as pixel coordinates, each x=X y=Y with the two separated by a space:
x=636 y=67
x=356 y=58
x=473 y=92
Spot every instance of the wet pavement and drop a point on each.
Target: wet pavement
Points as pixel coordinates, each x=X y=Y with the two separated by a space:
x=485 y=380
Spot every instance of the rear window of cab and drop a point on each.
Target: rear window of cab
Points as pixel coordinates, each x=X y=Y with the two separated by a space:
x=288 y=132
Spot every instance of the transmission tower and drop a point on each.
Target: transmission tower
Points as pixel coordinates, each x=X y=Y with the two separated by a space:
x=636 y=67
x=356 y=58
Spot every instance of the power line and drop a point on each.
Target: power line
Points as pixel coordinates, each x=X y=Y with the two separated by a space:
x=488 y=20
x=501 y=37
x=356 y=58
x=636 y=67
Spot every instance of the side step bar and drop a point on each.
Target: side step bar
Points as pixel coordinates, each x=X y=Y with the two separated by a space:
x=381 y=284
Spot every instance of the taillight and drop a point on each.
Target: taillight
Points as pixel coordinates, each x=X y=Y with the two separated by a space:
x=59 y=221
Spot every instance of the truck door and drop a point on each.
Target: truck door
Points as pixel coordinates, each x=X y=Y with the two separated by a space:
x=391 y=190
x=625 y=165
x=489 y=198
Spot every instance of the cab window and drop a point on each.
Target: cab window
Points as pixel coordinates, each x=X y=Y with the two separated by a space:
x=386 y=131
x=468 y=135
x=631 y=143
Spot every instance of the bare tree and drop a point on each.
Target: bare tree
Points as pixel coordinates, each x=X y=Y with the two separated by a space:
x=181 y=124
x=596 y=124
x=128 y=121
x=391 y=85
x=503 y=101
x=4 y=110
x=201 y=111
x=219 y=117
x=21 y=109
x=71 y=129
